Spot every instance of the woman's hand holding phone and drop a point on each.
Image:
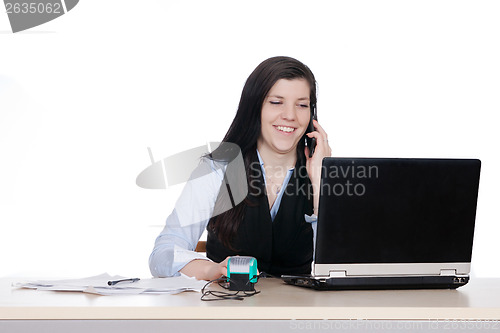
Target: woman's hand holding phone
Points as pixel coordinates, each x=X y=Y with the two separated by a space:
x=314 y=163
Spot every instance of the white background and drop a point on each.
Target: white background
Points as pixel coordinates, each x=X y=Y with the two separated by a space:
x=83 y=96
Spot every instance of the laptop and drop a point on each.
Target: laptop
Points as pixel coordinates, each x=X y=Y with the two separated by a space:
x=394 y=223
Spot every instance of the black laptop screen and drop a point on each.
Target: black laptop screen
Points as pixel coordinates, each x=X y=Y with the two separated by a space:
x=397 y=210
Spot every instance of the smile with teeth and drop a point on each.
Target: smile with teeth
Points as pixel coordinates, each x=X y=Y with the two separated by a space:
x=285 y=129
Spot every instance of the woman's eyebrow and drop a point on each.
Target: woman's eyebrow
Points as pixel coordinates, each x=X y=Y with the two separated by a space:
x=281 y=97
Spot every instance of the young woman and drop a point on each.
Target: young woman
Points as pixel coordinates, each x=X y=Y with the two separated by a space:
x=273 y=223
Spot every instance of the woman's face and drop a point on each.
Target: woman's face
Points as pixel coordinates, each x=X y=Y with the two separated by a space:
x=285 y=116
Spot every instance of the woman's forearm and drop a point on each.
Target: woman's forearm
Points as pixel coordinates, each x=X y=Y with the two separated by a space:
x=205 y=269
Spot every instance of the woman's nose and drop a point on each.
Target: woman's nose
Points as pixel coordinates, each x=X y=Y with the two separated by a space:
x=288 y=112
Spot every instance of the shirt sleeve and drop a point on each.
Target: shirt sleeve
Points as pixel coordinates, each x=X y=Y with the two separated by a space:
x=175 y=245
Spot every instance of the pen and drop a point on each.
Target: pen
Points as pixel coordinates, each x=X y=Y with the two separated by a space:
x=112 y=283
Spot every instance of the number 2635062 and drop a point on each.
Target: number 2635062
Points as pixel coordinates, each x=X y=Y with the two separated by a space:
x=33 y=8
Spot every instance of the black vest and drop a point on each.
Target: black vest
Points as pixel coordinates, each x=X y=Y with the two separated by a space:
x=282 y=246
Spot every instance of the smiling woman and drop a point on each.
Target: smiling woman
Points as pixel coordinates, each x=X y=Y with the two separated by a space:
x=274 y=222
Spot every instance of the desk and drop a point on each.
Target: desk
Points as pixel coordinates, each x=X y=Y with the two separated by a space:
x=286 y=307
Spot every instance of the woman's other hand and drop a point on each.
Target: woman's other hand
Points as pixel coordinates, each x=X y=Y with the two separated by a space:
x=205 y=269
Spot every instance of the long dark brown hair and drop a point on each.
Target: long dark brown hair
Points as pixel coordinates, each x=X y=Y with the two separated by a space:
x=246 y=127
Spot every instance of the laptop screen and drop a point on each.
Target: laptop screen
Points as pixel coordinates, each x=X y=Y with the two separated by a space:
x=397 y=210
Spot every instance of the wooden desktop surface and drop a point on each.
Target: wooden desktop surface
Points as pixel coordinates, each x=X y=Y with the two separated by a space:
x=478 y=300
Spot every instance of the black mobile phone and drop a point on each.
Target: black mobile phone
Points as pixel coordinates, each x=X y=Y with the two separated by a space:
x=311 y=142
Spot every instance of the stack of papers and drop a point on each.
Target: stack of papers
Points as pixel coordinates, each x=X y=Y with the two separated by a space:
x=99 y=285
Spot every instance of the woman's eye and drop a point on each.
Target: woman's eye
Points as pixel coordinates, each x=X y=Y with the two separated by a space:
x=303 y=105
x=275 y=102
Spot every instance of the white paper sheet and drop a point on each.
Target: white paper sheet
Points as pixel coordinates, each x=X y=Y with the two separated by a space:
x=99 y=285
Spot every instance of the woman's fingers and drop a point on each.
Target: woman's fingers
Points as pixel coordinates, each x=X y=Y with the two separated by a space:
x=322 y=145
x=319 y=129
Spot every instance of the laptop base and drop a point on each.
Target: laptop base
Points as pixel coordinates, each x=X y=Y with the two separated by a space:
x=374 y=283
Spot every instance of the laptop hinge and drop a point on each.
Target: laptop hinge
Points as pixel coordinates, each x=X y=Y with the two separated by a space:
x=338 y=273
x=448 y=272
